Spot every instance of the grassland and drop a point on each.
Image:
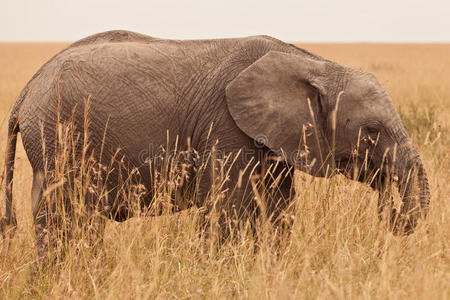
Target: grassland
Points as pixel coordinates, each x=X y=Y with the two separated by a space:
x=338 y=248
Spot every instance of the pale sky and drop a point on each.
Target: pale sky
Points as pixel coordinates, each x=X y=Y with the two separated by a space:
x=289 y=20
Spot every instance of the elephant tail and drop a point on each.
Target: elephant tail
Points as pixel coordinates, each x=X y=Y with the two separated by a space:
x=13 y=130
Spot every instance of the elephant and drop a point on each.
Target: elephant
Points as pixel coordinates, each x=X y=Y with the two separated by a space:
x=267 y=103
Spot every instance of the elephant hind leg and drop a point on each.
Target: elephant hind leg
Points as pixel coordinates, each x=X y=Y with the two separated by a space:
x=55 y=218
x=40 y=213
x=37 y=190
x=51 y=215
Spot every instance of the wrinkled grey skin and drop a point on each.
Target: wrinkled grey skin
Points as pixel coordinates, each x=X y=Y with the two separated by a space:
x=253 y=88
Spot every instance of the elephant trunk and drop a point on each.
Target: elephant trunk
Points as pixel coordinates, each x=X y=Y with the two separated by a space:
x=414 y=189
x=412 y=184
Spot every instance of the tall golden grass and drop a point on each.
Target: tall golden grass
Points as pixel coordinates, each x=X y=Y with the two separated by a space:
x=338 y=247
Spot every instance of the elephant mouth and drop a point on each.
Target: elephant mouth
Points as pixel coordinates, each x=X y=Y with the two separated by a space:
x=345 y=169
x=365 y=171
x=356 y=169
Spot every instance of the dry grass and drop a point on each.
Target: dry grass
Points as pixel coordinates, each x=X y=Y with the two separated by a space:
x=338 y=248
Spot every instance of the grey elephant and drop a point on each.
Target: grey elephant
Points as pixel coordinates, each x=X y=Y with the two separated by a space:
x=264 y=101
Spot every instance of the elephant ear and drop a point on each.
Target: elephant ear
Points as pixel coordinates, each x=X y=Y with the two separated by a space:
x=268 y=102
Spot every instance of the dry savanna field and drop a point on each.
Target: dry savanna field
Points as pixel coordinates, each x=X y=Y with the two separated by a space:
x=338 y=247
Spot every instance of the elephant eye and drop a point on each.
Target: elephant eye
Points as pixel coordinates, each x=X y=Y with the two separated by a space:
x=373 y=128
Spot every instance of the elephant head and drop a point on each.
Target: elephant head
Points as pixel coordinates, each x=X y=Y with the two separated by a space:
x=322 y=116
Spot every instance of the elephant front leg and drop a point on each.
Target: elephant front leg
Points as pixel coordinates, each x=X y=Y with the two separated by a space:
x=278 y=193
x=225 y=201
x=252 y=197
